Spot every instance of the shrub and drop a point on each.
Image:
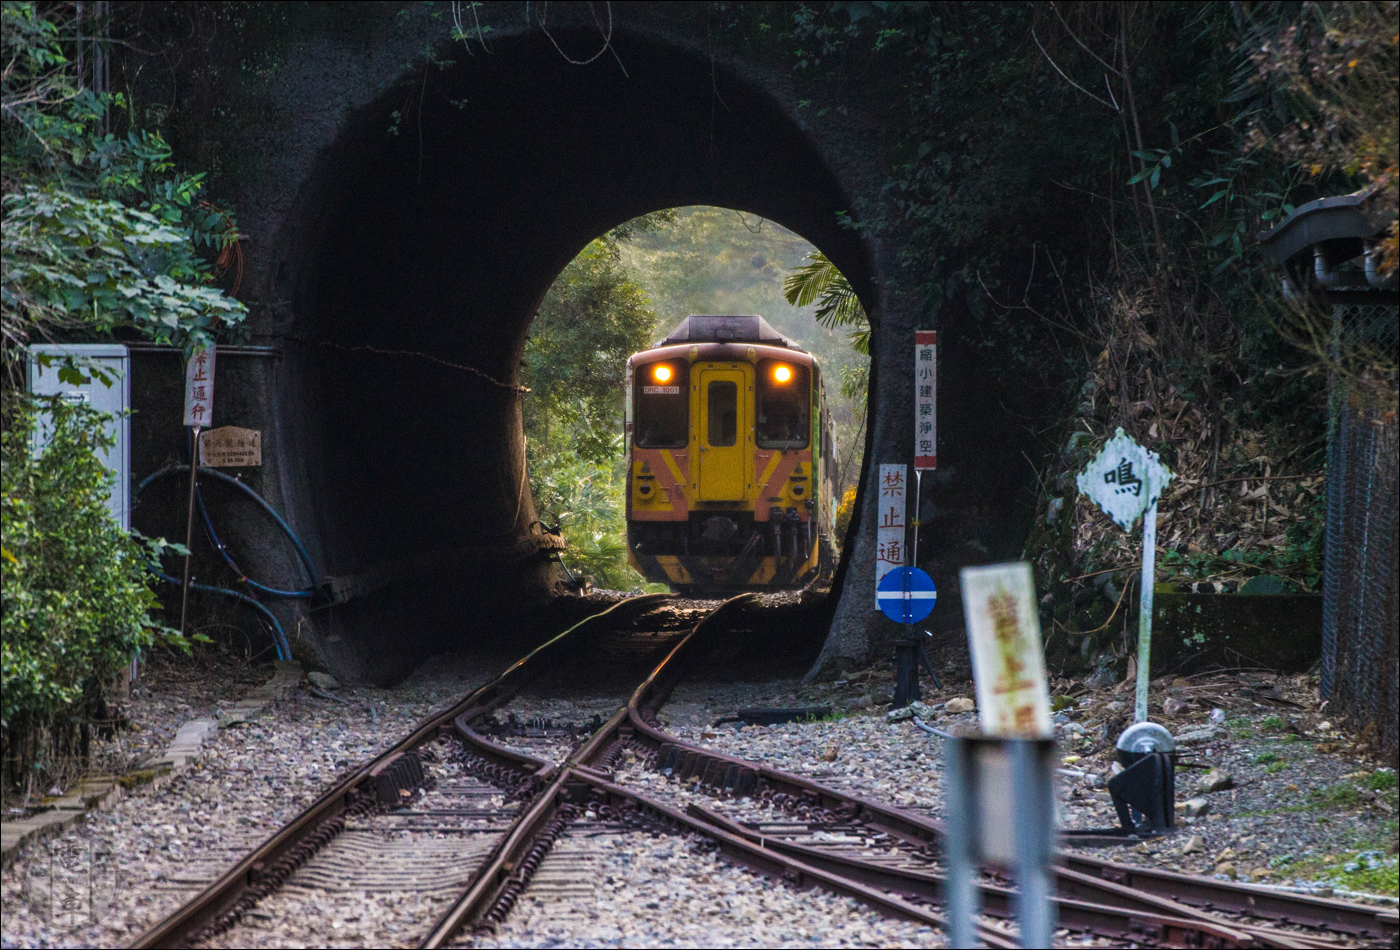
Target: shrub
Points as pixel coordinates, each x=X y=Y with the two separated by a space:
x=75 y=589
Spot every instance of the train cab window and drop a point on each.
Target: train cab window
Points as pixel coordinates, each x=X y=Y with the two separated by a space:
x=663 y=406
x=722 y=411
x=784 y=405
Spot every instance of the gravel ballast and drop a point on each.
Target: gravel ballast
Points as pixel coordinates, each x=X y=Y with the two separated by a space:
x=1302 y=809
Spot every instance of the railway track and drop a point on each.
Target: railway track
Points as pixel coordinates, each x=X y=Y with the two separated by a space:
x=463 y=821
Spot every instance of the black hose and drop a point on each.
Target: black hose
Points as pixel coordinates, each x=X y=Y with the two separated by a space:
x=286 y=528
x=279 y=636
x=228 y=558
x=932 y=731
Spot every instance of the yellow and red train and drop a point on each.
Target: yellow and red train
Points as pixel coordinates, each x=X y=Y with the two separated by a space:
x=729 y=446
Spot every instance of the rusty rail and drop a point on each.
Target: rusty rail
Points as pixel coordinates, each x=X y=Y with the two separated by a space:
x=264 y=868
x=1133 y=904
x=1091 y=879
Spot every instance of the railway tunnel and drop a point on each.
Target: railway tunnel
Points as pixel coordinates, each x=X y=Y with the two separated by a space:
x=416 y=253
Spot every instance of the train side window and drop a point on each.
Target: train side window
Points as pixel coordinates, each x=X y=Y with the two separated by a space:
x=723 y=412
x=784 y=405
x=663 y=406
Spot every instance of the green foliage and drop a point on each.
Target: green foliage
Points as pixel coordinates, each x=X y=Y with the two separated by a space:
x=819 y=282
x=583 y=498
x=72 y=261
x=593 y=317
x=1340 y=795
x=76 y=590
x=100 y=231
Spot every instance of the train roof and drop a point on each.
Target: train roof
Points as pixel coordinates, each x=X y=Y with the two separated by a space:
x=716 y=328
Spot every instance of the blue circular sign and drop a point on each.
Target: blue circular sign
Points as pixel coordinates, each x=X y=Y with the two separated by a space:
x=906 y=595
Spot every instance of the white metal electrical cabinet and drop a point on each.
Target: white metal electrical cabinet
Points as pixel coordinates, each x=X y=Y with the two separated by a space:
x=114 y=399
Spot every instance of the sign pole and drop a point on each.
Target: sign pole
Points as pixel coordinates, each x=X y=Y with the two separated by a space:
x=189 y=530
x=918 y=506
x=1126 y=480
x=199 y=412
x=1149 y=572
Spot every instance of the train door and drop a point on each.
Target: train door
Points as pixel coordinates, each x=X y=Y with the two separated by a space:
x=724 y=414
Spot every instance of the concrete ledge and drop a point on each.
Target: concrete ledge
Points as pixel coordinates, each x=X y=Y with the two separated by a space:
x=1198 y=631
x=105 y=791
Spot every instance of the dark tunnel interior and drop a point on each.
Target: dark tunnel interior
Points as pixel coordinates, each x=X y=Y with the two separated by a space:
x=415 y=259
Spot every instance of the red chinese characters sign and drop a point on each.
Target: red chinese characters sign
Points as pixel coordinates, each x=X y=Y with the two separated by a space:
x=199 y=388
x=925 y=400
x=889 y=532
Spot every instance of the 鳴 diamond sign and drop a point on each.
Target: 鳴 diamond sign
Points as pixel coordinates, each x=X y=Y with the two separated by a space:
x=1125 y=480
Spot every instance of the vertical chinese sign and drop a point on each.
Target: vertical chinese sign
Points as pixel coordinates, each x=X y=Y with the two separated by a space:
x=199 y=388
x=925 y=400
x=889 y=534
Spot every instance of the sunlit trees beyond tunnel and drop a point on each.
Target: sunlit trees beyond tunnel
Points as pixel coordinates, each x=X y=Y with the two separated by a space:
x=624 y=291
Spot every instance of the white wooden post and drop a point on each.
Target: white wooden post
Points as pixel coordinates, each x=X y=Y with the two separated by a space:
x=1149 y=571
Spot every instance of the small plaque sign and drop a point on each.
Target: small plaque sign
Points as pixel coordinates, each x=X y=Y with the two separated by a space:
x=230 y=447
x=1008 y=665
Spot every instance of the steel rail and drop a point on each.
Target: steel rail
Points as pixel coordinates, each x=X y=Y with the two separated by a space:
x=499 y=879
x=1130 y=915
x=1115 y=921
x=1155 y=891
x=799 y=873
x=324 y=818
x=1304 y=910
x=498 y=872
x=1076 y=875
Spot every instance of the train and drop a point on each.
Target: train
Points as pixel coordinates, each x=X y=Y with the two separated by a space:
x=730 y=460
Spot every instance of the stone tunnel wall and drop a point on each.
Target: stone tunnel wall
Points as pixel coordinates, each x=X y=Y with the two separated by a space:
x=404 y=218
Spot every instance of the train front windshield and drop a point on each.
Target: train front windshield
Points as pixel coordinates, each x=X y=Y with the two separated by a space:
x=784 y=405
x=663 y=407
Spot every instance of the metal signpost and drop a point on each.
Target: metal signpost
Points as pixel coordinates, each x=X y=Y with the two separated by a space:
x=1126 y=480
x=907 y=595
x=199 y=411
x=999 y=785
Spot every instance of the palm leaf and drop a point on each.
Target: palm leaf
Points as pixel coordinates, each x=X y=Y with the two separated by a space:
x=819 y=281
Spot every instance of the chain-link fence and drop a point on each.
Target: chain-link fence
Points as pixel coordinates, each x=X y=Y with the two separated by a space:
x=1360 y=622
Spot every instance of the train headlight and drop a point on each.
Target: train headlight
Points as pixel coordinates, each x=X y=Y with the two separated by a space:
x=782 y=374
x=662 y=373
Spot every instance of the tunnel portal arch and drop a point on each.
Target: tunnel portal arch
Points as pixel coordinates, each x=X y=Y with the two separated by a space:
x=416 y=253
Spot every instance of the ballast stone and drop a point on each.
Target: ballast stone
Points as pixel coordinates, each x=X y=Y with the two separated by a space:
x=1216 y=780
x=323 y=680
x=1199 y=736
x=1193 y=808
